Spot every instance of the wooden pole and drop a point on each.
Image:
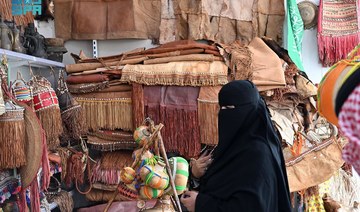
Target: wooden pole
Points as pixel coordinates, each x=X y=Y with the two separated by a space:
x=172 y=182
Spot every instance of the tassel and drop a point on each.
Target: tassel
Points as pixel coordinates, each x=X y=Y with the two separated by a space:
x=181 y=132
x=71 y=112
x=50 y=119
x=35 y=196
x=108 y=176
x=45 y=165
x=75 y=169
x=107 y=110
x=208 y=121
x=12 y=143
x=22 y=201
x=74 y=122
x=208 y=108
x=116 y=160
x=138 y=104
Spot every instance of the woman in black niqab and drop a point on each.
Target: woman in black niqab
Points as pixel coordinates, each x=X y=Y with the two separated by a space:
x=248 y=170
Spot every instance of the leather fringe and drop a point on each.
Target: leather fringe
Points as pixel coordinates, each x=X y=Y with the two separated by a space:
x=45 y=164
x=208 y=121
x=181 y=132
x=64 y=155
x=116 y=160
x=35 y=196
x=75 y=169
x=51 y=122
x=74 y=122
x=107 y=177
x=138 y=104
x=108 y=113
x=12 y=144
x=63 y=200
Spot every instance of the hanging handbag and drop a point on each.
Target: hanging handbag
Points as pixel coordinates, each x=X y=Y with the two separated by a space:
x=71 y=112
x=46 y=106
x=322 y=158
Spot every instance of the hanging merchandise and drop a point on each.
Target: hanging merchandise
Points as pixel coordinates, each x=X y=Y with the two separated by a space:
x=71 y=111
x=208 y=107
x=295 y=30
x=107 y=110
x=33 y=147
x=47 y=109
x=20 y=90
x=110 y=140
x=189 y=73
x=12 y=143
x=176 y=107
x=12 y=136
x=180 y=170
x=325 y=157
x=309 y=14
x=107 y=169
x=338 y=29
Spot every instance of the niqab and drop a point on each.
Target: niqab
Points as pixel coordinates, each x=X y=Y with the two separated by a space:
x=248 y=172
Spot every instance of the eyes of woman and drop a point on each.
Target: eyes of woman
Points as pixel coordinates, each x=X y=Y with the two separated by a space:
x=227 y=107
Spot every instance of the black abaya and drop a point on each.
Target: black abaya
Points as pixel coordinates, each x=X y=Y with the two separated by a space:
x=248 y=172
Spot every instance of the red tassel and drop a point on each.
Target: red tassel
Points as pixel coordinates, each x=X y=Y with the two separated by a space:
x=45 y=165
x=35 y=196
x=334 y=48
x=22 y=201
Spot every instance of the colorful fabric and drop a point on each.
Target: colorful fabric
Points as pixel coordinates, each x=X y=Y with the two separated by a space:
x=349 y=121
x=315 y=204
x=338 y=29
x=295 y=27
x=197 y=73
x=9 y=184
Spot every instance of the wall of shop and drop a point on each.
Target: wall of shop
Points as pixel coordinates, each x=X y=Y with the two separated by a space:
x=111 y=47
x=311 y=63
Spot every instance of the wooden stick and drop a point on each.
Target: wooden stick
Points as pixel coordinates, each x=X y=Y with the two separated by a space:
x=136 y=161
x=172 y=182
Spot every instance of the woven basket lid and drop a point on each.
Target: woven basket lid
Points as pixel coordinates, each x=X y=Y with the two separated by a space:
x=33 y=148
x=309 y=13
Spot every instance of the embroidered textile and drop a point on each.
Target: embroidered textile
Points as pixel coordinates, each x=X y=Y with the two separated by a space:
x=338 y=29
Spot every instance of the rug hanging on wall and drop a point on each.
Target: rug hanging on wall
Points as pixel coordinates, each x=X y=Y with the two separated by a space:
x=338 y=29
